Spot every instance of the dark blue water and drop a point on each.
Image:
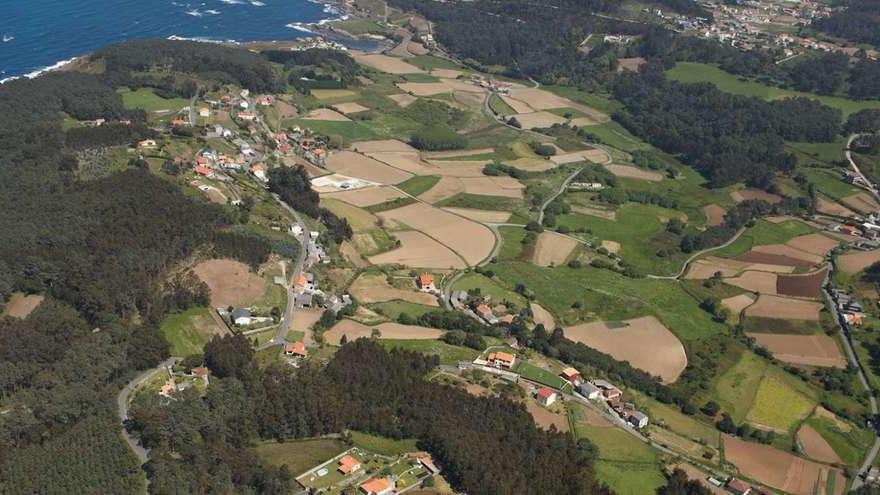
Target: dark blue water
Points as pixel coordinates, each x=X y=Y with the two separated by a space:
x=40 y=33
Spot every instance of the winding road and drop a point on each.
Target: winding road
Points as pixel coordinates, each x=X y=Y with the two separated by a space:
x=122 y=408
x=696 y=255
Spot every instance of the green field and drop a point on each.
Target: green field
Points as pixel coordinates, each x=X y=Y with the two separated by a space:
x=736 y=388
x=393 y=309
x=189 y=331
x=499 y=105
x=850 y=445
x=350 y=131
x=418 y=184
x=676 y=421
x=531 y=372
x=299 y=455
x=449 y=354
x=690 y=72
x=763 y=233
x=149 y=101
x=489 y=288
x=614 y=134
x=825 y=153
x=511 y=243
x=383 y=445
x=481 y=202
x=829 y=182
x=781 y=401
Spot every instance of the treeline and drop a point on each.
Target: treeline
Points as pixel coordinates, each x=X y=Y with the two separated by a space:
x=317 y=68
x=437 y=138
x=247 y=247
x=859 y=22
x=727 y=138
x=362 y=388
x=292 y=185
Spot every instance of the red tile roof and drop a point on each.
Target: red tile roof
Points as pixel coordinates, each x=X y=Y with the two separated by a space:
x=348 y=464
x=375 y=485
x=545 y=392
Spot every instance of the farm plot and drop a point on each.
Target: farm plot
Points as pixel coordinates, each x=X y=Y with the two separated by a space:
x=784 y=308
x=781 y=401
x=384 y=63
x=231 y=282
x=545 y=418
x=374 y=288
x=408 y=161
x=350 y=107
x=540 y=99
x=751 y=193
x=737 y=304
x=354 y=330
x=542 y=316
x=417 y=250
x=593 y=155
x=552 y=249
x=809 y=350
x=856 y=261
x=659 y=351
x=538 y=119
x=367 y=196
x=363 y=167
x=782 y=470
x=482 y=216
x=507 y=187
x=862 y=202
x=816 y=447
x=808 y=285
x=817 y=244
x=382 y=145
x=781 y=254
x=754 y=281
x=517 y=105
x=21 y=305
x=403 y=99
x=446 y=187
x=831 y=208
x=326 y=114
x=714 y=214
x=611 y=246
x=425 y=88
x=631 y=172
x=471 y=240
x=707 y=267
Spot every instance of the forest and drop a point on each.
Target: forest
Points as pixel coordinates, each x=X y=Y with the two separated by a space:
x=363 y=388
x=859 y=21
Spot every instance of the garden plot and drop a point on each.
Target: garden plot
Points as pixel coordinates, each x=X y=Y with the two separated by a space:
x=356 y=165
x=354 y=330
x=546 y=418
x=809 y=350
x=507 y=187
x=862 y=202
x=645 y=342
x=816 y=447
x=232 y=283
x=482 y=216
x=751 y=193
x=367 y=196
x=808 y=285
x=538 y=119
x=417 y=250
x=351 y=107
x=631 y=172
x=856 y=261
x=473 y=241
x=714 y=214
x=552 y=249
x=446 y=187
x=384 y=63
x=707 y=267
x=374 y=288
x=539 y=99
x=737 y=304
x=781 y=470
x=403 y=99
x=761 y=282
x=326 y=114
x=784 y=308
x=817 y=244
x=832 y=208
x=517 y=105
x=20 y=305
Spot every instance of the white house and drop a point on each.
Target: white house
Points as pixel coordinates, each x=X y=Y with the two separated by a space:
x=546 y=396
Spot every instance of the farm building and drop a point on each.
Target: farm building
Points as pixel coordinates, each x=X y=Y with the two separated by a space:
x=296 y=349
x=501 y=360
x=241 y=316
x=638 y=419
x=201 y=372
x=546 y=396
x=303 y=301
x=377 y=486
x=738 y=487
x=348 y=464
x=428 y=464
x=589 y=390
x=485 y=312
x=147 y=143
x=609 y=391
x=426 y=282
x=572 y=375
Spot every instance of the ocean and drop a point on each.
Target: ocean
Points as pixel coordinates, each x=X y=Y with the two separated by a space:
x=41 y=34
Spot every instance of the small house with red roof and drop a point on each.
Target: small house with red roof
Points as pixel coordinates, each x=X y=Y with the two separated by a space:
x=571 y=375
x=426 y=282
x=297 y=349
x=348 y=465
x=546 y=396
x=203 y=170
x=738 y=487
x=377 y=486
x=501 y=360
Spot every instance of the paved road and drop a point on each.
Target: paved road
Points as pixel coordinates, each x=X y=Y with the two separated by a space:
x=122 y=407
x=561 y=190
x=287 y=318
x=696 y=255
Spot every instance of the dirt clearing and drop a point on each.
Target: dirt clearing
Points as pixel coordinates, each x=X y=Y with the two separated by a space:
x=507 y=187
x=231 y=282
x=811 y=350
x=350 y=108
x=657 y=351
x=516 y=105
x=611 y=246
x=815 y=446
x=544 y=417
x=862 y=202
x=751 y=193
x=446 y=187
x=737 y=304
x=593 y=155
x=354 y=330
x=425 y=89
x=538 y=119
x=832 y=208
x=552 y=249
x=417 y=250
x=817 y=244
x=634 y=172
x=714 y=214
x=363 y=167
x=384 y=63
x=482 y=216
x=403 y=99
x=761 y=282
x=784 y=308
x=809 y=285
x=374 y=288
x=779 y=469
x=856 y=261
x=326 y=114
x=542 y=316
x=20 y=305
x=367 y=196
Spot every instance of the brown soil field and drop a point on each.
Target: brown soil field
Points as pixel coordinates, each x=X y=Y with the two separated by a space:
x=473 y=241
x=788 y=251
x=634 y=172
x=416 y=48
x=350 y=253
x=750 y=193
x=459 y=168
x=231 y=282
x=326 y=114
x=350 y=107
x=737 y=304
x=817 y=244
x=363 y=167
x=762 y=282
x=595 y=212
x=815 y=446
x=630 y=64
x=809 y=350
x=20 y=305
x=540 y=99
x=360 y=219
x=456 y=153
x=532 y=164
x=784 y=308
x=507 y=187
x=382 y=145
x=657 y=352
x=417 y=250
x=611 y=246
x=303 y=321
x=478 y=390
x=403 y=99
x=385 y=63
x=593 y=418
x=714 y=214
x=808 y=285
x=538 y=119
x=583 y=122
x=425 y=89
x=446 y=73
x=460 y=86
x=832 y=208
x=374 y=288
x=706 y=268
x=544 y=417
x=542 y=316
x=482 y=216
x=354 y=330
x=552 y=249
x=856 y=261
x=594 y=155
x=407 y=161
x=773 y=259
x=367 y=196
x=446 y=187
x=516 y=105
x=862 y=202
x=779 y=469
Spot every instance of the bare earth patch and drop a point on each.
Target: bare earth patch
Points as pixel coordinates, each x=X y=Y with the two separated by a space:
x=552 y=249
x=374 y=288
x=831 y=208
x=779 y=469
x=810 y=350
x=545 y=418
x=482 y=216
x=815 y=446
x=862 y=202
x=761 y=282
x=407 y=161
x=517 y=105
x=446 y=187
x=425 y=89
x=354 y=330
x=326 y=114
x=351 y=253
x=20 y=305
x=630 y=64
x=611 y=246
x=714 y=214
x=737 y=304
x=507 y=187
x=593 y=155
x=363 y=167
x=232 y=283
x=645 y=342
x=417 y=250
x=403 y=99
x=367 y=196
x=634 y=172
x=538 y=119
x=542 y=316
x=350 y=108
x=856 y=261
x=807 y=285
x=817 y=244
x=784 y=308
x=751 y=193
x=385 y=63
x=789 y=252
x=540 y=99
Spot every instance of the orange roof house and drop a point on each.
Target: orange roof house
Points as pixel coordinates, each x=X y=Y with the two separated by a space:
x=501 y=359
x=202 y=170
x=377 y=486
x=853 y=318
x=484 y=309
x=296 y=349
x=178 y=122
x=348 y=464
x=201 y=160
x=507 y=319
x=546 y=396
x=200 y=371
x=426 y=281
x=571 y=374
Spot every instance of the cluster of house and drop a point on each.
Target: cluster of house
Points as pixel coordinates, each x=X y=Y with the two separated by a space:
x=850 y=310
x=496 y=86
x=299 y=141
x=318 y=42
x=586 y=186
x=101 y=121
x=180 y=382
x=348 y=465
x=478 y=308
x=598 y=389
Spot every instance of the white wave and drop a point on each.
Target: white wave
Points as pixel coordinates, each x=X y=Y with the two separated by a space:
x=212 y=12
x=257 y=3
x=233 y=2
x=194 y=13
x=7 y=38
x=200 y=39
x=299 y=27
x=38 y=72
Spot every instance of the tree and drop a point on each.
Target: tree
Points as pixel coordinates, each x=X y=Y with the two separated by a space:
x=230 y=355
